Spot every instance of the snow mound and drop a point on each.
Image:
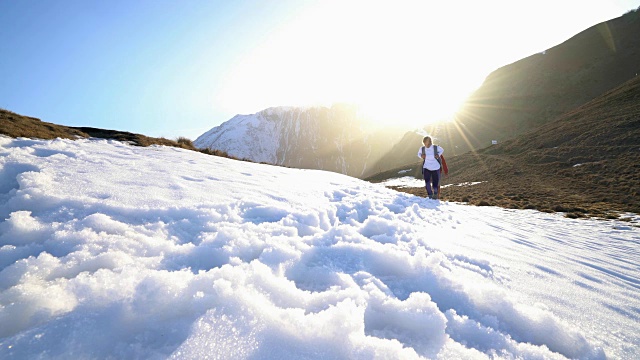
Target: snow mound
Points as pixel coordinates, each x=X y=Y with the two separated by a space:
x=113 y=251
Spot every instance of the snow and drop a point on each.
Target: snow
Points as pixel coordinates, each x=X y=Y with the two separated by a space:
x=468 y=183
x=114 y=251
x=405 y=181
x=410 y=181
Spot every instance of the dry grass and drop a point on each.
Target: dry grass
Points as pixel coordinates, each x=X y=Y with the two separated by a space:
x=15 y=125
x=185 y=142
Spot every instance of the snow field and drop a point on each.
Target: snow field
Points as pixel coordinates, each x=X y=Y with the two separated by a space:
x=108 y=250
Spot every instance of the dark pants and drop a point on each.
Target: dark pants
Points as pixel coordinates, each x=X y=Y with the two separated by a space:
x=431 y=176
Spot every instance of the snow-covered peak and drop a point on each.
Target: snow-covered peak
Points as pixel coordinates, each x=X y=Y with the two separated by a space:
x=251 y=137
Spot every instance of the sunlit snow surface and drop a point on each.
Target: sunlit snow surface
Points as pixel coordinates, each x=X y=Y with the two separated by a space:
x=114 y=251
x=410 y=181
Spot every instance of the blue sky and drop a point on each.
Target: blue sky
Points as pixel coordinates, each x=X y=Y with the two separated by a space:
x=178 y=68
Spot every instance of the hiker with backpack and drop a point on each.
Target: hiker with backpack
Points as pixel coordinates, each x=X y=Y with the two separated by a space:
x=431 y=166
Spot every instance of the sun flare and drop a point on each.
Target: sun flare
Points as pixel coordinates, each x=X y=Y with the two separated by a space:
x=394 y=62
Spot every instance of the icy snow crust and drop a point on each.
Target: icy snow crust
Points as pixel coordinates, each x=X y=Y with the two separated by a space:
x=410 y=181
x=113 y=251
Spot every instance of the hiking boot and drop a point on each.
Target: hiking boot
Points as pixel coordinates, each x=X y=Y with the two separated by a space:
x=435 y=196
x=430 y=196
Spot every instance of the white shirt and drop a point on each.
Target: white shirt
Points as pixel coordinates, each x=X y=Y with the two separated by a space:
x=430 y=162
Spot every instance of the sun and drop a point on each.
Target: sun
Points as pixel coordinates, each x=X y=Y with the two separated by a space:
x=410 y=109
x=393 y=62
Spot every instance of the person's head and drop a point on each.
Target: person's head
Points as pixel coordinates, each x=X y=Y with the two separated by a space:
x=427 y=141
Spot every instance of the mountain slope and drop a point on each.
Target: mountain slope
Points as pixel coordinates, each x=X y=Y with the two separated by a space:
x=334 y=139
x=531 y=92
x=537 y=89
x=586 y=161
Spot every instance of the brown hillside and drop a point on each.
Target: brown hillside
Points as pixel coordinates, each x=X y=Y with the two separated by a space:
x=586 y=162
x=533 y=91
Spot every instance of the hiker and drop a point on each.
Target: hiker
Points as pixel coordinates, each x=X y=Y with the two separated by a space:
x=431 y=166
